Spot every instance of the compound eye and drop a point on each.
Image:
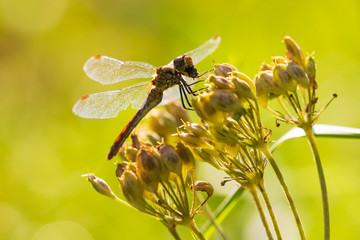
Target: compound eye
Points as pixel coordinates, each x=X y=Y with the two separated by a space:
x=179 y=63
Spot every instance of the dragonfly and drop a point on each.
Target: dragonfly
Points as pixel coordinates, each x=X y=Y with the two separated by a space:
x=142 y=96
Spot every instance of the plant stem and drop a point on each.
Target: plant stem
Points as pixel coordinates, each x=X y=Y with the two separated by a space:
x=268 y=155
x=172 y=230
x=195 y=230
x=253 y=193
x=311 y=139
x=261 y=187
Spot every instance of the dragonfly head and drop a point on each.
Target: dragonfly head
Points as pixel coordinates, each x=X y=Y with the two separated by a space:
x=185 y=65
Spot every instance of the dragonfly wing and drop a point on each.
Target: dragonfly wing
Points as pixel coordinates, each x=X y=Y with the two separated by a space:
x=107 y=70
x=171 y=94
x=198 y=54
x=105 y=105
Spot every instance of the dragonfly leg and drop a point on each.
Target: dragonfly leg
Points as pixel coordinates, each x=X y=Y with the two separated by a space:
x=182 y=96
x=205 y=72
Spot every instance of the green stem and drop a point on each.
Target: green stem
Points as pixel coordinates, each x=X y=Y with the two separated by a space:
x=195 y=230
x=263 y=192
x=311 y=139
x=172 y=230
x=280 y=177
x=253 y=193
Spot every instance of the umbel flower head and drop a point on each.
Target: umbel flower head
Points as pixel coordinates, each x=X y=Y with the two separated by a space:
x=157 y=180
x=230 y=133
x=291 y=80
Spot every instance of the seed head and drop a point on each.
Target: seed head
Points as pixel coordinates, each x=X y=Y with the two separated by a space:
x=311 y=71
x=206 y=111
x=243 y=89
x=132 y=189
x=178 y=112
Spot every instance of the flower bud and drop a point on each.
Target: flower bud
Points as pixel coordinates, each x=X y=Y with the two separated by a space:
x=293 y=51
x=311 y=71
x=150 y=169
x=100 y=185
x=197 y=129
x=279 y=60
x=283 y=79
x=207 y=155
x=204 y=187
x=178 y=112
x=297 y=73
x=186 y=156
x=120 y=169
x=245 y=78
x=224 y=69
x=161 y=122
x=131 y=153
x=265 y=66
x=170 y=158
x=265 y=85
x=220 y=82
x=223 y=134
x=194 y=140
x=206 y=111
x=225 y=101
x=132 y=189
x=242 y=88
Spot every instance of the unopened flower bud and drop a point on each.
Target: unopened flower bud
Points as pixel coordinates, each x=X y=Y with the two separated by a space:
x=225 y=101
x=220 y=82
x=245 y=78
x=178 y=112
x=293 y=51
x=206 y=111
x=265 y=66
x=132 y=189
x=100 y=185
x=242 y=88
x=194 y=140
x=120 y=169
x=170 y=158
x=161 y=122
x=207 y=155
x=283 y=79
x=150 y=169
x=297 y=73
x=279 y=60
x=224 y=69
x=311 y=71
x=186 y=156
x=131 y=153
x=204 y=187
x=197 y=129
x=223 y=134
x=265 y=85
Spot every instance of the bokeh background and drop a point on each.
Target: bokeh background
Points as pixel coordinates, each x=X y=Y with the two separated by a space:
x=45 y=148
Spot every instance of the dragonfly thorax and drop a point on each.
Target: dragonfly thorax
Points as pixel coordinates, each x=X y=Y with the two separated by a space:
x=166 y=77
x=184 y=64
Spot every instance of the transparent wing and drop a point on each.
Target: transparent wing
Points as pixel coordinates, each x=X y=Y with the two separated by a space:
x=104 y=105
x=198 y=54
x=107 y=70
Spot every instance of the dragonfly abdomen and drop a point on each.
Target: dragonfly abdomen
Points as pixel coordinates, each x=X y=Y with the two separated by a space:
x=152 y=100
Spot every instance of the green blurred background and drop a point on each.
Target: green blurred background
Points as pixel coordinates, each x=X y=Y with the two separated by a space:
x=44 y=147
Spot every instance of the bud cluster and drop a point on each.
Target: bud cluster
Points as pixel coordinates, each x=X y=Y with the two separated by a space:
x=291 y=80
x=230 y=133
